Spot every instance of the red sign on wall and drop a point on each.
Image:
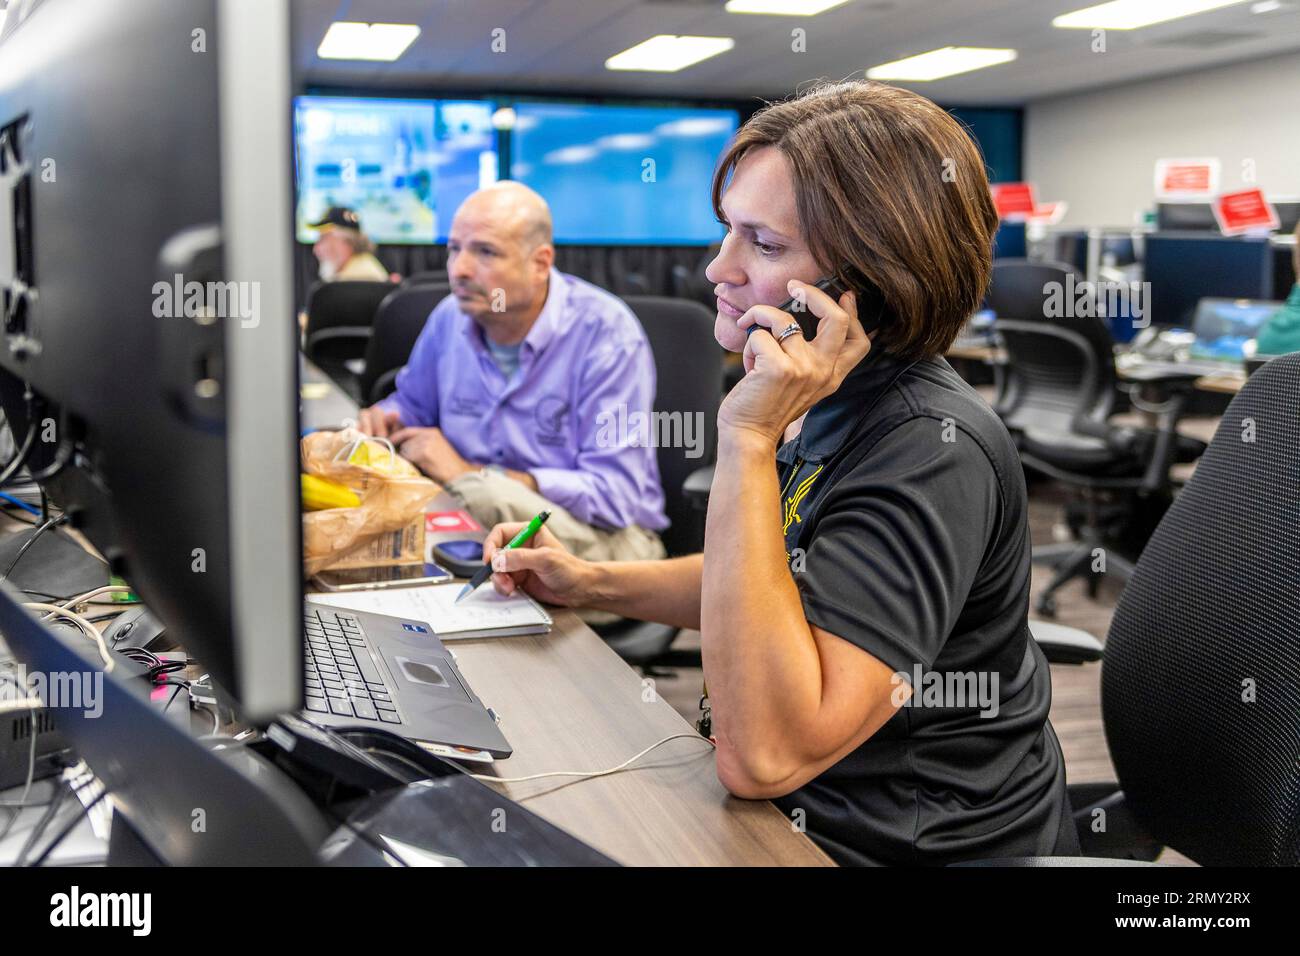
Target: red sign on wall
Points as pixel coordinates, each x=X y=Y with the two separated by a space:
x=1245 y=211
x=1013 y=201
x=1186 y=179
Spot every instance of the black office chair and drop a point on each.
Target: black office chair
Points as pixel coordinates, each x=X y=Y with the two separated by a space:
x=434 y=277
x=1020 y=288
x=692 y=283
x=339 y=318
x=1056 y=392
x=1019 y=291
x=398 y=323
x=1054 y=400
x=688 y=366
x=1257 y=362
x=1200 y=684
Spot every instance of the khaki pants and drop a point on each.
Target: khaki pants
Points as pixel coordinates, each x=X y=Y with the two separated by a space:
x=494 y=498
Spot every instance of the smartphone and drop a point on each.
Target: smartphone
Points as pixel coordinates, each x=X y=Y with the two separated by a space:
x=377 y=578
x=870 y=301
x=463 y=555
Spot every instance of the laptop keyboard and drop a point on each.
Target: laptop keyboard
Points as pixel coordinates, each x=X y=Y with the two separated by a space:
x=341 y=676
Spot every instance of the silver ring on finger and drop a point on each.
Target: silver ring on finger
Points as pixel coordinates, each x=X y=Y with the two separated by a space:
x=788 y=331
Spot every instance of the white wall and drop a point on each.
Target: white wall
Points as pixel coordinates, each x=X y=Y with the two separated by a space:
x=1098 y=150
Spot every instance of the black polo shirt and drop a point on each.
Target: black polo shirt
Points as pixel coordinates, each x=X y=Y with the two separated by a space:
x=906 y=527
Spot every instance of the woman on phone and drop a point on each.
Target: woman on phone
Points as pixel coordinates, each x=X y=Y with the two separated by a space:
x=863 y=592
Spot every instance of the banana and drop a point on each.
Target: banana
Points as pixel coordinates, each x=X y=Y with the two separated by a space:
x=318 y=494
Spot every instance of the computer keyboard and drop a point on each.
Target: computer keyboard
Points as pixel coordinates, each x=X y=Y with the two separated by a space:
x=341 y=676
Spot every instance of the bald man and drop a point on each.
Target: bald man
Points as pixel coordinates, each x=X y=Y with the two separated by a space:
x=509 y=394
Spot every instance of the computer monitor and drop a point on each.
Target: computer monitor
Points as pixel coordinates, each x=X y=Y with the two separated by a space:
x=1009 y=241
x=1183 y=269
x=1186 y=217
x=147 y=292
x=1224 y=326
x=617 y=174
x=1288 y=215
x=149 y=314
x=1118 y=251
x=404 y=165
x=145 y=196
x=1071 y=247
x=1284 y=275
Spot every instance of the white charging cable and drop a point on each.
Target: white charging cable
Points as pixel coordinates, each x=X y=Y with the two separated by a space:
x=487 y=778
x=83 y=625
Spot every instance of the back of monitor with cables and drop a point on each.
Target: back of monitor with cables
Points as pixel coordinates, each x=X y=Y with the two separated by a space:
x=148 y=380
x=147 y=374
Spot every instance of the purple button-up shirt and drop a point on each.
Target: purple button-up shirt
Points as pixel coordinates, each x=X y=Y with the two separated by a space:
x=584 y=364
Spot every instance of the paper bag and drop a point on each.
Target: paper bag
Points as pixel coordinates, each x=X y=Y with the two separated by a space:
x=391 y=489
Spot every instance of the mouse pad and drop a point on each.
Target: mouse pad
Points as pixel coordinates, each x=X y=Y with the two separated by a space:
x=55 y=566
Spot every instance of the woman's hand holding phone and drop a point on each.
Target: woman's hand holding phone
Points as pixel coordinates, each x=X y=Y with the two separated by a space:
x=785 y=379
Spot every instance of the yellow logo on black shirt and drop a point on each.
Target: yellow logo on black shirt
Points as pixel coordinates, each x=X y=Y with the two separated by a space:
x=793 y=502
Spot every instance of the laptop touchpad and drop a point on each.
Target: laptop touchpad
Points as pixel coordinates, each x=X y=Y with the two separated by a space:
x=421 y=673
x=432 y=673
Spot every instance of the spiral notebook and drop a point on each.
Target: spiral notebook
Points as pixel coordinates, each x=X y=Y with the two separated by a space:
x=484 y=613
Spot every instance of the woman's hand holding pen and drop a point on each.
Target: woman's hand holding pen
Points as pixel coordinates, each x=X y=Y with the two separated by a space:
x=541 y=566
x=784 y=379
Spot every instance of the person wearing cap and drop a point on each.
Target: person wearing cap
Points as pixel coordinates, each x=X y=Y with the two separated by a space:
x=512 y=394
x=344 y=252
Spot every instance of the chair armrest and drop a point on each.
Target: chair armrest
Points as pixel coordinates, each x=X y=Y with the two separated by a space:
x=1106 y=824
x=1154 y=374
x=1065 y=645
x=384 y=385
x=697 y=485
x=637 y=642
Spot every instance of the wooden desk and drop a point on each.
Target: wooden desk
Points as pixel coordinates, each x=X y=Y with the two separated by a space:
x=323 y=404
x=568 y=702
x=977 y=353
x=1223 y=384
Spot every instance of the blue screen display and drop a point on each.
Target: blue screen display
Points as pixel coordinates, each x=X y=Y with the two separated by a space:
x=622 y=174
x=403 y=165
x=1224 y=327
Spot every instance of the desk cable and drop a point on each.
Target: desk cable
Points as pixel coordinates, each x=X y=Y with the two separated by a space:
x=488 y=778
x=87 y=629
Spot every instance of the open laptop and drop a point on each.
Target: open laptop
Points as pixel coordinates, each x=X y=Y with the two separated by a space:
x=1222 y=328
x=373 y=671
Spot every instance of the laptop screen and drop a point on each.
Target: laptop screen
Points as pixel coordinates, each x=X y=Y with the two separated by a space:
x=1223 y=326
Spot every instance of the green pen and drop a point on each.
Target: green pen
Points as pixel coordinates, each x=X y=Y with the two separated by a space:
x=485 y=572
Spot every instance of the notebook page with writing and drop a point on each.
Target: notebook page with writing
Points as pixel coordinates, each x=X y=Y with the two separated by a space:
x=484 y=613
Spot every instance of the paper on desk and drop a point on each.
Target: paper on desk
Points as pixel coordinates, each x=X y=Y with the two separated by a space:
x=484 y=613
